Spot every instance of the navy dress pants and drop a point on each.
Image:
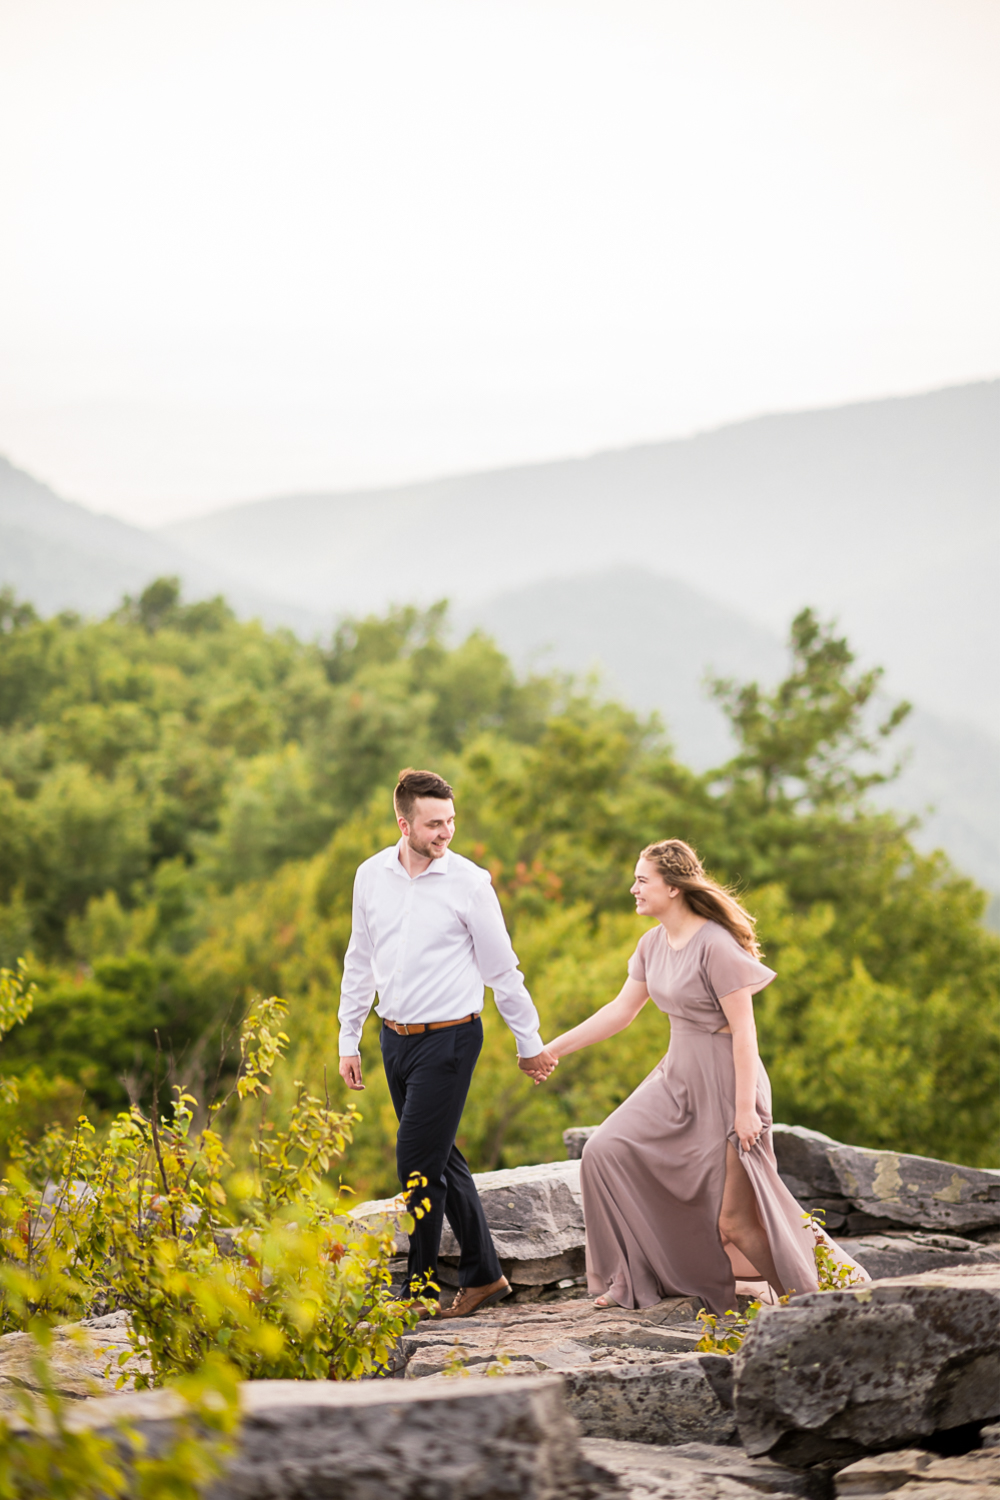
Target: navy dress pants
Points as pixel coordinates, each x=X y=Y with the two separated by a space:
x=429 y=1077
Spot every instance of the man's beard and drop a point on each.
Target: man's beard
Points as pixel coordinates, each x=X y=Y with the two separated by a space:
x=425 y=849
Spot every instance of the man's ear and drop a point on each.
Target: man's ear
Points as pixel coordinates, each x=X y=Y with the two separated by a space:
x=404 y=827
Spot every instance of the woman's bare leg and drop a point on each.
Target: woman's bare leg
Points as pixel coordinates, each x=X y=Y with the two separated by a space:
x=740 y=1222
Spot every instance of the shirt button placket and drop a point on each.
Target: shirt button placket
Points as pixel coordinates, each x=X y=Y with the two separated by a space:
x=404 y=933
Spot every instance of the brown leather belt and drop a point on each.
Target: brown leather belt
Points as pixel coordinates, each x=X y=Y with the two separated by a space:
x=417 y=1028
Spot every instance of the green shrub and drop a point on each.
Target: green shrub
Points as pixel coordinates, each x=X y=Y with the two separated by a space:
x=263 y=1265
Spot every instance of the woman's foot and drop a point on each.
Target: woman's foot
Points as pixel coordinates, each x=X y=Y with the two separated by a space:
x=605 y=1301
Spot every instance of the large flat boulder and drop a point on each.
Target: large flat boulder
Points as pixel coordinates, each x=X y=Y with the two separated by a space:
x=634 y=1375
x=902 y=1253
x=556 y=1337
x=535 y=1216
x=861 y=1189
x=833 y=1375
x=436 y=1440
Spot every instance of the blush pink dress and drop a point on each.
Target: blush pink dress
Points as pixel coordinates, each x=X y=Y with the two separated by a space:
x=653 y=1174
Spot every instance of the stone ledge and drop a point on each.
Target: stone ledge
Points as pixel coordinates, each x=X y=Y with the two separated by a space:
x=700 y=1471
x=555 y=1337
x=861 y=1189
x=436 y=1440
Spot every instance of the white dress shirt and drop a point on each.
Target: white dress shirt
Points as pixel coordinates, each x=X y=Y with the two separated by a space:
x=427 y=945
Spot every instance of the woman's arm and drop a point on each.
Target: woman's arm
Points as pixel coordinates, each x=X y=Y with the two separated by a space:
x=738 y=1008
x=608 y=1021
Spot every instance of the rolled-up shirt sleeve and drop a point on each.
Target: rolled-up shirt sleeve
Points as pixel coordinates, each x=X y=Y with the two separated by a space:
x=357 y=988
x=497 y=963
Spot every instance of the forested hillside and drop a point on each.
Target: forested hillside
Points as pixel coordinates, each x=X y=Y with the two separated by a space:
x=184 y=799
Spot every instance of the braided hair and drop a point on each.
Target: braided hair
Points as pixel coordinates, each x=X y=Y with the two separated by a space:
x=680 y=866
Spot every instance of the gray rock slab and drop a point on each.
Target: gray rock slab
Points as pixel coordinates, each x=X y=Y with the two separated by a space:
x=511 y=1339
x=679 y=1399
x=888 y=1473
x=83 y=1360
x=835 y=1374
x=699 y=1469
x=899 y=1253
x=535 y=1215
x=887 y=1186
x=631 y=1375
x=438 y=1440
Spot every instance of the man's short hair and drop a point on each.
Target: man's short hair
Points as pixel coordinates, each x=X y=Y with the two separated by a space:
x=413 y=784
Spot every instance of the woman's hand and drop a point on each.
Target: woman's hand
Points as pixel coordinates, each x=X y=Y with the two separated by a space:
x=749 y=1127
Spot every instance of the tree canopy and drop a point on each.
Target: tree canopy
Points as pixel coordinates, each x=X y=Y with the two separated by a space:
x=184 y=799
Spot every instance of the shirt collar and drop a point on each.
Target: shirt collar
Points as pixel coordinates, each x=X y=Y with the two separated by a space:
x=436 y=866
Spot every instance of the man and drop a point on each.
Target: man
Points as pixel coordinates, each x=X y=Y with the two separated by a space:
x=426 y=934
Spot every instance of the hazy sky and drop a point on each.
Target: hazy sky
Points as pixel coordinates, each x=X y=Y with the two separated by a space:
x=250 y=246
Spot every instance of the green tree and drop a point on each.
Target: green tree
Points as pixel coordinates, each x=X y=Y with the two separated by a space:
x=184 y=799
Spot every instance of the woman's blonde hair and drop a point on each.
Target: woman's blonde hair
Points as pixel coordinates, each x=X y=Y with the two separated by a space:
x=680 y=866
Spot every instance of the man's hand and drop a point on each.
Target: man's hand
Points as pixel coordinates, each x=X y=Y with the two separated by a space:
x=540 y=1066
x=350 y=1072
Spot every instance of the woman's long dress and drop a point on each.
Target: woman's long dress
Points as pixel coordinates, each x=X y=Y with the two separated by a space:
x=653 y=1174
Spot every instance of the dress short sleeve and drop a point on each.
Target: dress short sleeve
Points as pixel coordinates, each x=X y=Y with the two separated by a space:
x=637 y=963
x=729 y=967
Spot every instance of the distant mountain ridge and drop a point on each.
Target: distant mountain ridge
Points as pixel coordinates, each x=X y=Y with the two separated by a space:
x=884 y=513
x=60 y=555
x=653 y=640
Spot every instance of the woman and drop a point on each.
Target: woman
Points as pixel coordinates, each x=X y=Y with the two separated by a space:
x=681 y=1192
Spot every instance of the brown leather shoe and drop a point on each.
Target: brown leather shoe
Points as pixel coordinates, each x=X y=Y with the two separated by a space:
x=469 y=1299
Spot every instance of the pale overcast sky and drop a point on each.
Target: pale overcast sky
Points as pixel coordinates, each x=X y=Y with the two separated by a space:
x=251 y=246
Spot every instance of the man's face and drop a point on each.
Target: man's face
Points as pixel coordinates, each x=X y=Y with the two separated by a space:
x=431 y=827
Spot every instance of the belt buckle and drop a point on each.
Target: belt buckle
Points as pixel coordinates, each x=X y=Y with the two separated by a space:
x=401 y=1026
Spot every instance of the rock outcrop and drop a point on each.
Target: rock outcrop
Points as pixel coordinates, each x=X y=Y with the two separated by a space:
x=535 y=1215
x=439 y=1440
x=633 y=1375
x=860 y=1190
x=829 y=1382
x=835 y=1374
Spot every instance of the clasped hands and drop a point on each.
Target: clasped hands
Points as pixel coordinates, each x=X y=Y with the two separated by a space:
x=540 y=1066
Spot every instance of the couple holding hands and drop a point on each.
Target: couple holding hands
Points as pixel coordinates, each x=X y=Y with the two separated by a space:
x=681 y=1193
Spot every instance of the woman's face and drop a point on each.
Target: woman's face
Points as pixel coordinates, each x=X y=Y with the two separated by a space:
x=652 y=895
